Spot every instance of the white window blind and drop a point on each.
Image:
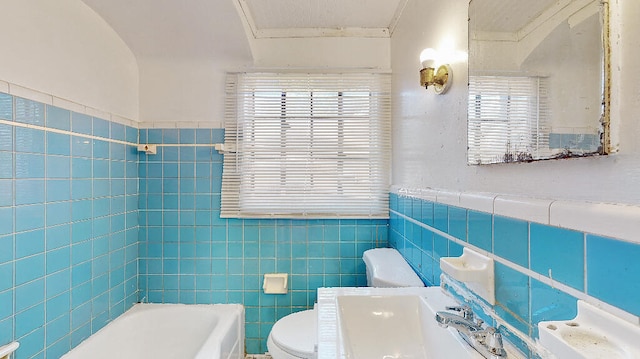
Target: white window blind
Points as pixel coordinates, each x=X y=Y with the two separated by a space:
x=508 y=119
x=306 y=146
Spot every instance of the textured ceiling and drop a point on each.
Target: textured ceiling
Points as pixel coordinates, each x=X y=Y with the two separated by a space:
x=296 y=18
x=289 y=14
x=506 y=15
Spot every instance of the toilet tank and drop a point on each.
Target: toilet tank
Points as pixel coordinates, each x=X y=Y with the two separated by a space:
x=387 y=268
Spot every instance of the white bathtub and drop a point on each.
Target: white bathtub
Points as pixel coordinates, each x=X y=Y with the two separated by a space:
x=169 y=331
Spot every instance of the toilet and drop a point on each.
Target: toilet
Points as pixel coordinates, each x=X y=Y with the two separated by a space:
x=295 y=335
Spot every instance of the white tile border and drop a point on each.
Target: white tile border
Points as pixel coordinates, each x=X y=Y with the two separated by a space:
x=24 y=92
x=528 y=209
x=65 y=132
x=180 y=124
x=619 y=221
x=69 y=105
x=48 y=99
x=605 y=219
x=94 y=112
x=483 y=202
x=4 y=87
x=448 y=197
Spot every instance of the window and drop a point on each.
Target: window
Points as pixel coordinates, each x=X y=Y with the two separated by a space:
x=306 y=146
x=508 y=119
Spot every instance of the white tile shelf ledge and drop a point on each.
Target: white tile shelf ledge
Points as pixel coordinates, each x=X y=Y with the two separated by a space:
x=474 y=270
x=619 y=221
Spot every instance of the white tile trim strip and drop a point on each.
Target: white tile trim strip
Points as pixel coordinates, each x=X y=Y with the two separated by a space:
x=527 y=209
x=618 y=221
x=49 y=99
x=65 y=132
x=526 y=271
x=448 y=198
x=611 y=220
x=172 y=125
x=34 y=95
x=482 y=202
x=182 y=144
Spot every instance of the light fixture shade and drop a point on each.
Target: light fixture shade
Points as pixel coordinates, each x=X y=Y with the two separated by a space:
x=428 y=57
x=440 y=79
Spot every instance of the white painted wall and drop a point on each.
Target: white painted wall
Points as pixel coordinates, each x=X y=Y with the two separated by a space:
x=182 y=93
x=189 y=92
x=430 y=131
x=323 y=53
x=65 y=49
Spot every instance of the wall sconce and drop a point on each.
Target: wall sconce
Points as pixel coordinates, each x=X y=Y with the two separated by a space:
x=440 y=79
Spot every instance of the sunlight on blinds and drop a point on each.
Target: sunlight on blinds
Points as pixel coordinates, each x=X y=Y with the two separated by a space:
x=307 y=146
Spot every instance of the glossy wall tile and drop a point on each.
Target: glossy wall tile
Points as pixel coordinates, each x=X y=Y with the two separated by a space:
x=68 y=226
x=189 y=254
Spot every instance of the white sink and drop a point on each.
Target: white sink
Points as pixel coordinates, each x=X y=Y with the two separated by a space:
x=387 y=323
x=593 y=333
x=382 y=326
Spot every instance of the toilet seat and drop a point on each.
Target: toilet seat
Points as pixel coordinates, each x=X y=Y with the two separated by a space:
x=296 y=335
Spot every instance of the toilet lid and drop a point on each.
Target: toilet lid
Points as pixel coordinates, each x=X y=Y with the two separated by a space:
x=297 y=333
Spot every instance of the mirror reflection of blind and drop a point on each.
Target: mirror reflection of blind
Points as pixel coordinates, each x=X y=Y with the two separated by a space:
x=307 y=146
x=508 y=119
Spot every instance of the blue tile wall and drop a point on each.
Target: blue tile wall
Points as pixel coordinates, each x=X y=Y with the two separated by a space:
x=549 y=248
x=511 y=240
x=613 y=268
x=596 y=266
x=189 y=254
x=56 y=288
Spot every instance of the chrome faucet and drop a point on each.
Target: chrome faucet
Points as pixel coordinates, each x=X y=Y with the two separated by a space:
x=486 y=341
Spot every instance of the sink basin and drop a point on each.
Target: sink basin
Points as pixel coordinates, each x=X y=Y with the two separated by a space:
x=593 y=333
x=388 y=323
x=382 y=326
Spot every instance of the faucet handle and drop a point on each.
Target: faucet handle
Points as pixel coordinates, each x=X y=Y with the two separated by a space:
x=494 y=343
x=466 y=311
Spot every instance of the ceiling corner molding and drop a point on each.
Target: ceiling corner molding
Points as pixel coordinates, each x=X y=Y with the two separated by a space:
x=247 y=18
x=396 y=17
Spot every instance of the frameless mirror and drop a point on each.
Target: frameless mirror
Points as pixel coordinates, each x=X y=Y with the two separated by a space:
x=537 y=80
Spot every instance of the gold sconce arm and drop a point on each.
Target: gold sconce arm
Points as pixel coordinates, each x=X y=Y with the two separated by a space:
x=440 y=79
